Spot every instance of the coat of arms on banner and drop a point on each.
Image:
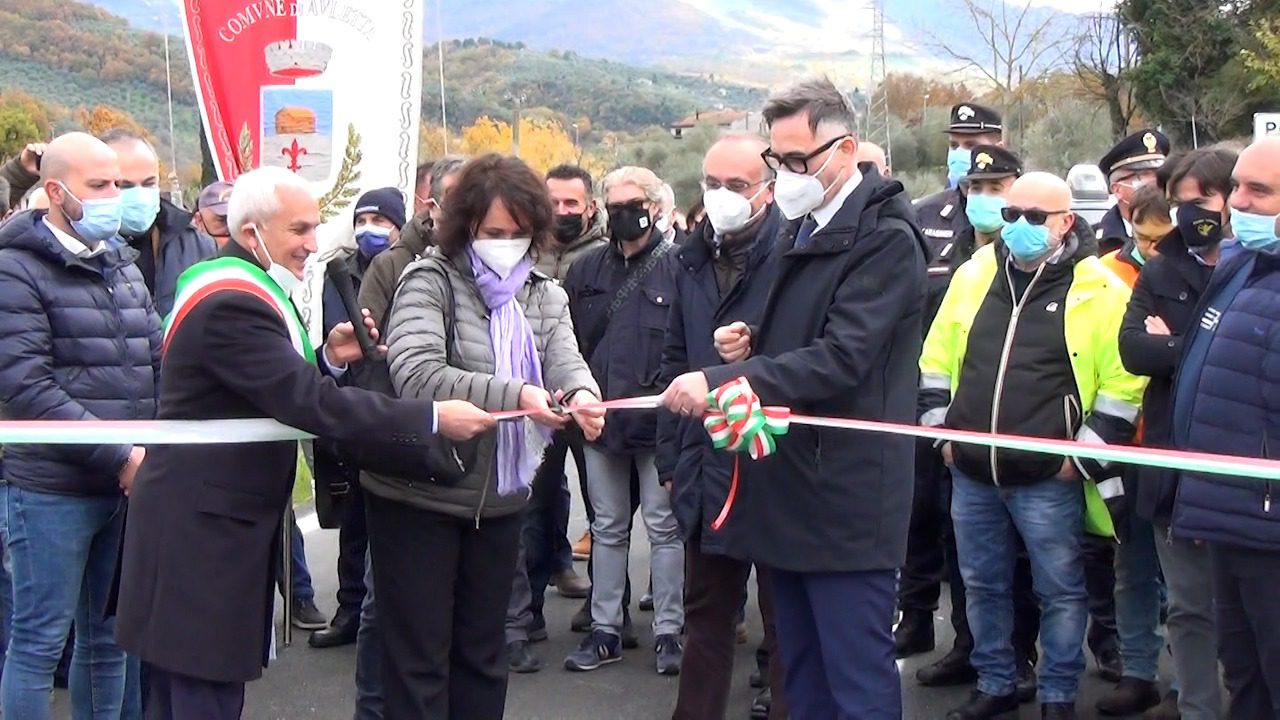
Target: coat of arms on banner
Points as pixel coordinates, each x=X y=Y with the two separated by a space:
x=297 y=131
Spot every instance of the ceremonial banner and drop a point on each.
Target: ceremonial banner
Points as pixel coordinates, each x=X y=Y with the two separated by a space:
x=328 y=89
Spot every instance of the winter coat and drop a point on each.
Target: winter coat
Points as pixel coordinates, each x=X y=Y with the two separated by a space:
x=416 y=333
x=79 y=340
x=839 y=336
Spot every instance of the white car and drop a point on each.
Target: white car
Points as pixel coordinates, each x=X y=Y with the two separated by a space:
x=1090 y=197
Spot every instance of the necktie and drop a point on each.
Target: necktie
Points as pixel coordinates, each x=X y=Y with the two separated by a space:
x=806 y=229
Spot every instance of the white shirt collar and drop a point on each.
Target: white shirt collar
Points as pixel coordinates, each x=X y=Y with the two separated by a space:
x=1128 y=227
x=824 y=214
x=74 y=246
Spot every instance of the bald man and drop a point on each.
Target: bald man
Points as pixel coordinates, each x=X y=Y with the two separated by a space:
x=730 y=265
x=1026 y=342
x=869 y=152
x=1223 y=404
x=79 y=341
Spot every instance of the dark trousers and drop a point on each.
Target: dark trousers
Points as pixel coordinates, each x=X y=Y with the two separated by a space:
x=546 y=530
x=353 y=541
x=713 y=590
x=180 y=697
x=1247 y=609
x=300 y=576
x=836 y=639
x=931 y=556
x=442 y=587
x=1100 y=584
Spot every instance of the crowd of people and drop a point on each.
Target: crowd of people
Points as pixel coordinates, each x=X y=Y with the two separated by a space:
x=804 y=269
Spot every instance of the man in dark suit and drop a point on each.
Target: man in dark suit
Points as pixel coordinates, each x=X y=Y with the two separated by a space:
x=213 y=512
x=828 y=513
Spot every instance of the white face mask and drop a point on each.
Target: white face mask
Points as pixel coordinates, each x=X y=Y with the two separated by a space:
x=728 y=211
x=283 y=276
x=502 y=256
x=798 y=194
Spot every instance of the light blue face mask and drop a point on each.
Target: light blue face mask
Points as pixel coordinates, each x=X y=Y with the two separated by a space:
x=138 y=209
x=99 y=219
x=958 y=162
x=1255 y=232
x=984 y=211
x=1026 y=242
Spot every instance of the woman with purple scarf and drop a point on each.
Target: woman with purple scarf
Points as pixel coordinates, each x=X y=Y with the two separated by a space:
x=472 y=320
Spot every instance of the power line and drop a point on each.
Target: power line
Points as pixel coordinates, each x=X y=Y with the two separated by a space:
x=878 y=110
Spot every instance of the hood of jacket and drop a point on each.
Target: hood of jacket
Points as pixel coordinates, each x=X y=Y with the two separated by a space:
x=416 y=234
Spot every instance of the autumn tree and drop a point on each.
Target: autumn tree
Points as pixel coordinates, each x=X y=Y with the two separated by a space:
x=101 y=118
x=22 y=120
x=907 y=95
x=543 y=141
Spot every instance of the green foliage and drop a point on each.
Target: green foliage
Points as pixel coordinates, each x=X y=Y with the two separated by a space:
x=1075 y=132
x=1264 y=58
x=17 y=128
x=490 y=78
x=676 y=161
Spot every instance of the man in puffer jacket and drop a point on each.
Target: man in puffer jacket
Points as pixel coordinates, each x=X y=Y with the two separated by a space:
x=79 y=340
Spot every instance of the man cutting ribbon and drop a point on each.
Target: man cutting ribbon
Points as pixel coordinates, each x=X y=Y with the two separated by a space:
x=235 y=348
x=828 y=512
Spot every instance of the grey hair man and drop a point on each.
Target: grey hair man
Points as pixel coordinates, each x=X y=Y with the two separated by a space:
x=838 y=335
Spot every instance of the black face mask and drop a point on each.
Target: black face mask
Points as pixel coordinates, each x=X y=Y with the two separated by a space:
x=568 y=228
x=629 y=222
x=1199 y=227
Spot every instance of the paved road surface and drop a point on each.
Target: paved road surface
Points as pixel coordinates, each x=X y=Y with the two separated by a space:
x=308 y=683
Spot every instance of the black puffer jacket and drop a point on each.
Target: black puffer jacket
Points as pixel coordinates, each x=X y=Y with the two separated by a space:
x=79 y=340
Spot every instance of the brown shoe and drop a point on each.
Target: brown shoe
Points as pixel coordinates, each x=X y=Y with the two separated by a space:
x=582 y=548
x=571 y=584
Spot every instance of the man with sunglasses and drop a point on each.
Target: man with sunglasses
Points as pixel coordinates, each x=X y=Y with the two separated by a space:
x=1131 y=164
x=828 y=514
x=1026 y=342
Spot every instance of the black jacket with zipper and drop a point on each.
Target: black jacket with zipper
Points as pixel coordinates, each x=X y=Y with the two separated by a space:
x=1022 y=367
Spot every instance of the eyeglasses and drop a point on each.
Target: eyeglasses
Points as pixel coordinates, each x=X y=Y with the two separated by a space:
x=738 y=186
x=796 y=162
x=1034 y=216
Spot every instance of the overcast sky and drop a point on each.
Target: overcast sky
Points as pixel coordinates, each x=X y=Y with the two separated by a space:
x=1077 y=5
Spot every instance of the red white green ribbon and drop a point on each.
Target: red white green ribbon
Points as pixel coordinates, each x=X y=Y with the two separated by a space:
x=737 y=422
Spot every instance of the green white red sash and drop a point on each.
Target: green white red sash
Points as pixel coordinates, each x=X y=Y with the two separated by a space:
x=231 y=274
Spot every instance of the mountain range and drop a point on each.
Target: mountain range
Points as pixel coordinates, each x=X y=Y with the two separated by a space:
x=748 y=40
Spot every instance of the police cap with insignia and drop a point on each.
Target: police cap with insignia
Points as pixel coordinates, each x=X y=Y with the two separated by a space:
x=992 y=162
x=1143 y=150
x=974 y=119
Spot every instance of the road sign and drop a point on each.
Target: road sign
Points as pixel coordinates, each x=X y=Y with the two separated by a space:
x=1265 y=124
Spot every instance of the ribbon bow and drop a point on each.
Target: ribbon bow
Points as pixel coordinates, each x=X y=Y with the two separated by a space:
x=738 y=422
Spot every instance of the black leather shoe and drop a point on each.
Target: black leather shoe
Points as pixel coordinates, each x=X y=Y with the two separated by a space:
x=760 y=706
x=1058 y=711
x=1110 y=666
x=1026 y=685
x=520 y=658
x=341 y=631
x=1129 y=697
x=982 y=706
x=914 y=634
x=952 y=669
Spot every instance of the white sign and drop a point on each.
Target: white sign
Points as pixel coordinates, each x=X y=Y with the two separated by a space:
x=1265 y=124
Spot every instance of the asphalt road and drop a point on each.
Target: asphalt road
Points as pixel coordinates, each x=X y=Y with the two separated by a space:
x=319 y=684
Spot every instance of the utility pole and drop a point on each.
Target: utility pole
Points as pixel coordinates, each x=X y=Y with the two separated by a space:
x=879 y=110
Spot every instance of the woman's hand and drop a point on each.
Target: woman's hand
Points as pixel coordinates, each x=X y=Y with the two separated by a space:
x=538 y=402
x=591 y=420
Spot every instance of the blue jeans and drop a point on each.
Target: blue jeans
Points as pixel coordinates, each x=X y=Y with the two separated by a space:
x=63 y=551
x=1138 y=590
x=299 y=576
x=6 y=578
x=1048 y=517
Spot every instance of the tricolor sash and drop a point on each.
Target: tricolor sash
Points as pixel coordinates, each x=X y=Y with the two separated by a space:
x=231 y=274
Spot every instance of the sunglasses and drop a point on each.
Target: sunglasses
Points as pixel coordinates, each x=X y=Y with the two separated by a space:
x=613 y=208
x=1033 y=215
x=795 y=162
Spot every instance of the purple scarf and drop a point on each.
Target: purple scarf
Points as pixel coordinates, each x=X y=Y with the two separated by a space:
x=515 y=356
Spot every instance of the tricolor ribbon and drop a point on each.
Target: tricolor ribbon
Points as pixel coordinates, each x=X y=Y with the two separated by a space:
x=736 y=421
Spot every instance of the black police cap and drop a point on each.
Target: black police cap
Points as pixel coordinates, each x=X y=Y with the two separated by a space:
x=992 y=162
x=974 y=119
x=1143 y=150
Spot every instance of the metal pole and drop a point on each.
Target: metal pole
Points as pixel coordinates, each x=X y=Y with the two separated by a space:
x=286 y=576
x=173 y=141
x=444 y=118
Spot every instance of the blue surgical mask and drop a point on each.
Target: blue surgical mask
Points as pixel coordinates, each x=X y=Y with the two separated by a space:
x=99 y=219
x=984 y=212
x=372 y=239
x=1026 y=242
x=138 y=209
x=958 y=162
x=1255 y=232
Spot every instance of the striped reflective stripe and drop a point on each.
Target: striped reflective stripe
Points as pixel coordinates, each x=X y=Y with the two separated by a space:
x=1110 y=488
x=1116 y=408
x=934 y=417
x=1088 y=435
x=935 y=381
